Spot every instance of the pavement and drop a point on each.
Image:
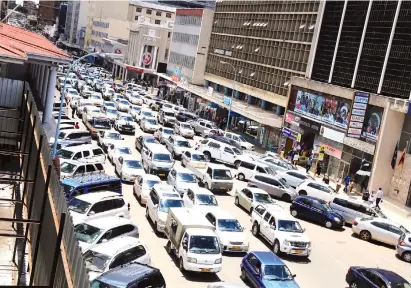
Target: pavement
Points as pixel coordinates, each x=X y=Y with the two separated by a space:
x=333 y=252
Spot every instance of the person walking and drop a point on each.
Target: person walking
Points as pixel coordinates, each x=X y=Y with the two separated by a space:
x=347 y=182
x=308 y=165
x=73 y=111
x=378 y=198
x=295 y=158
x=77 y=126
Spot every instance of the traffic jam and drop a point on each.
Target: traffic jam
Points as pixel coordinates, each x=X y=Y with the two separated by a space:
x=179 y=168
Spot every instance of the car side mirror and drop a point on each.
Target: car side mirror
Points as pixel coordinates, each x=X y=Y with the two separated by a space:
x=294 y=275
x=104 y=241
x=273 y=227
x=185 y=247
x=91 y=213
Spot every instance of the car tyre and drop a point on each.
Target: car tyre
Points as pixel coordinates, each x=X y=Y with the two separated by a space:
x=237 y=164
x=207 y=156
x=328 y=224
x=294 y=213
x=181 y=264
x=276 y=248
x=406 y=256
x=353 y=285
x=240 y=176
x=286 y=197
x=168 y=247
x=242 y=276
x=237 y=201
x=365 y=235
x=255 y=229
x=302 y=193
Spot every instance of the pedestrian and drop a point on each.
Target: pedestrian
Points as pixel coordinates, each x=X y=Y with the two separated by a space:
x=223 y=123
x=378 y=199
x=73 y=111
x=319 y=169
x=76 y=126
x=347 y=182
x=295 y=158
x=308 y=164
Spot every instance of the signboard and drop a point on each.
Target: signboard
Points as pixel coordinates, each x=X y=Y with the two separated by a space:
x=227 y=100
x=357 y=114
x=302 y=122
x=147 y=58
x=332 y=134
x=291 y=134
x=372 y=123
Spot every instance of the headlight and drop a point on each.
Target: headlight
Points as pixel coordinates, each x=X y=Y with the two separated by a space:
x=191 y=260
x=286 y=243
x=218 y=261
x=126 y=174
x=337 y=219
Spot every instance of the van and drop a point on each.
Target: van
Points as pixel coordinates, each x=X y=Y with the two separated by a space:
x=246 y=169
x=352 y=207
x=82 y=153
x=71 y=136
x=70 y=168
x=156 y=160
x=90 y=183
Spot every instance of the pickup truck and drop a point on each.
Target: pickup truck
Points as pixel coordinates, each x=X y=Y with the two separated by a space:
x=215 y=177
x=281 y=230
x=201 y=126
x=192 y=239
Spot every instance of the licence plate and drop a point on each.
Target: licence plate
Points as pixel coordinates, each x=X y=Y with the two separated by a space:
x=236 y=247
x=133 y=179
x=223 y=188
x=161 y=174
x=298 y=251
x=205 y=269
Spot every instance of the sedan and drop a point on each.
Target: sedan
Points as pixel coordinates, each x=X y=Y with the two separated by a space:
x=122 y=105
x=97 y=99
x=149 y=124
x=117 y=150
x=86 y=92
x=143 y=185
x=134 y=110
x=177 y=145
x=293 y=177
x=141 y=141
x=362 y=277
x=162 y=134
x=378 y=229
x=124 y=123
x=127 y=167
x=135 y=99
x=249 y=197
x=316 y=189
x=194 y=159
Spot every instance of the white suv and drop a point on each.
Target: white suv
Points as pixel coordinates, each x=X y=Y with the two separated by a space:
x=97 y=205
x=316 y=189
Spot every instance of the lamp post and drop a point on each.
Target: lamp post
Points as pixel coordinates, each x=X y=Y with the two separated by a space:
x=62 y=97
x=232 y=92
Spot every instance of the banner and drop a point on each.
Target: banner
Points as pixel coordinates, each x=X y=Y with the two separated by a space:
x=291 y=134
x=372 y=123
x=359 y=108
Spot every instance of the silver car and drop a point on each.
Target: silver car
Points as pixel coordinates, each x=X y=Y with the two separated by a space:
x=182 y=179
x=293 y=177
x=273 y=185
x=404 y=247
x=277 y=164
x=177 y=145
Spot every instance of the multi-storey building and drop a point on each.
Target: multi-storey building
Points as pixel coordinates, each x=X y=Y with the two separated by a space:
x=189 y=45
x=76 y=21
x=48 y=11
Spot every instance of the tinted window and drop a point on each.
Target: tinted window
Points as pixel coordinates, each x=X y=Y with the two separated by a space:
x=341 y=202
x=154 y=281
x=267 y=216
x=86 y=153
x=98 y=152
x=90 y=168
x=247 y=165
x=228 y=150
x=383 y=226
x=259 y=209
x=296 y=175
x=77 y=156
x=102 y=206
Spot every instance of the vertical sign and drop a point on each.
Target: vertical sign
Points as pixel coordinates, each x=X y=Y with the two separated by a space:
x=357 y=117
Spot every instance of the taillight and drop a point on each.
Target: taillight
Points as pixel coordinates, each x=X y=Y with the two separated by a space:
x=403 y=243
x=249 y=180
x=355 y=223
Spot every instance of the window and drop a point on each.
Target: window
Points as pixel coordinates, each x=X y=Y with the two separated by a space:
x=90 y=168
x=81 y=169
x=188 y=154
x=98 y=152
x=395 y=230
x=211 y=218
x=267 y=216
x=169 y=34
x=154 y=197
x=187 y=20
x=274 y=182
x=101 y=207
x=296 y=175
x=157 y=22
x=148 y=11
x=247 y=165
x=261 y=170
x=182 y=60
x=158 y=13
x=118 y=203
x=168 y=15
x=135 y=17
x=305 y=201
x=166 y=54
x=86 y=153
x=128 y=256
x=185 y=38
x=138 y=9
x=260 y=209
x=383 y=226
x=77 y=156
x=228 y=150
x=375 y=279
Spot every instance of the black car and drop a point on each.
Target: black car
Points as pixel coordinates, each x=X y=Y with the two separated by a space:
x=362 y=277
x=142 y=140
x=316 y=210
x=185 y=116
x=130 y=275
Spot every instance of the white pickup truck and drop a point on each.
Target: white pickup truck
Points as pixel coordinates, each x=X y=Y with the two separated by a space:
x=281 y=230
x=215 y=177
x=192 y=239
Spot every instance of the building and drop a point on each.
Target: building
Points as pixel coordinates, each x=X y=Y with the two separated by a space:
x=61 y=23
x=76 y=22
x=353 y=101
x=48 y=11
x=189 y=45
x=3 y=8
x=31 y=7
x=104 y=28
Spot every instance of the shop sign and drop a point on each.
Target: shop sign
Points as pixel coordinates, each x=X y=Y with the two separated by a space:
x=327 y=149
x=300 y=121
x=291 y=118
x=332 y=134
x=291 y=134
x=226 y=100
x=357 y=120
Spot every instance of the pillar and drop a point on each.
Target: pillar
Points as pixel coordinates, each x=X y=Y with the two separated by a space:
x=139 y=64
x=207 y=83
x=263 y=104
x=126 y=74
x=154 y=61
x=216 y=87
x=114 y=67
x=40 y=80
x=250 y=99
x=48 y=107
x=43 y=91
x=123 y=73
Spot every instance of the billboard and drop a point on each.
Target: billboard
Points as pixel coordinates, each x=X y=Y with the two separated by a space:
x=372 y=123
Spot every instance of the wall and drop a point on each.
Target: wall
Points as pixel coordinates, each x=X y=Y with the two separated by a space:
x=401 y=180
x=117 y=29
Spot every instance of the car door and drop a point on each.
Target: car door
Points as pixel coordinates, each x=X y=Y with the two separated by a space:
x=394 y=234
x=77 y=156
x=227 y=155
x=253 y=271
x=380 y=232
x=186 y=157
x=264 y=229
x=171 y=178
x=139 y=184
x=369 y=279
x=101 y=209
x=248 y=200
x=271 y=228
x=304 y=207
x=317 y=212
x=276 y=187
x=90 y=168
x=187 y=198
x=242 y=197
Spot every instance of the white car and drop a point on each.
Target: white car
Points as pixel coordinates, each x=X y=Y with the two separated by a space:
x=71 y=168
x=108 y=93
x=240 y=140
x=199 y=198
x=229 y=231
x=101 y=230
x=86 y=92
x=97 y=205
x=184 y=129
x=143 y=114
x=96 y=99
x=378 y=229
x=162 y=134
x=135 y=99
x=194 y=159
x=111 y=113
x=125 y=123
x=182 y=179
x=109 y=104
x=316 y=189
x=119 y=251
x=143 y=185
x=117 y=96
x=75 y=99
x=149 y=124
x=70 y=93
x=293 y=177
x=122 y=105
x=128 y=167
x=134 y=110
x=250 y=197
x=117 y=150
x=106 y=138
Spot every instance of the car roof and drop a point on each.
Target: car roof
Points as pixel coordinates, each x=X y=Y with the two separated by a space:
x=164 y=188
x=108 y=222
x=116 y=245
x=97 y=196
x=150 y=177
x=165 y=109
x=219 y=213
x=125 y=274
x=180 y=169
x=166 y=128
x=268 y=258
x=156 y=147
x=74 y=130
x=201 y=190
x=311 y=198
x=256 y=190
x=89 y=179
x=150 y=118
x=80 y=147
x=130 y=157
x=217 y=166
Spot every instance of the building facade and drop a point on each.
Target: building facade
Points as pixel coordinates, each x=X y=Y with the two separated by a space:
x=189 y=45
x=108 y=28
x=76 y=21
x=48 y=11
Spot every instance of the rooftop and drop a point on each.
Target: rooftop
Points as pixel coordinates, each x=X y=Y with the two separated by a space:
x=268 y=258
x=19 y=45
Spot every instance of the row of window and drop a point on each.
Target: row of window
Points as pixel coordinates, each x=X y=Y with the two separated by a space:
x=101 y=24
x=185 y=38
x=99 y=34
x=188 y=20
x=149 y=12
x=182 y=60
x=96 y=43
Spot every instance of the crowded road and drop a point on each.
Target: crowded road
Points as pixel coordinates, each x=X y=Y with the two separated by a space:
x=333 y=252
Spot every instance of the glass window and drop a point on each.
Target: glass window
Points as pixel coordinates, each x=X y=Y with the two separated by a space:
x=87 y=233
x=148 y=11
x=267 y=216
x=86 y=153
x=168 y=15
x=247 y=165
x=77 y=156
x=98 y=152
x=157 y=22
x=78 y=205
x=260 y=209
x=90 y=168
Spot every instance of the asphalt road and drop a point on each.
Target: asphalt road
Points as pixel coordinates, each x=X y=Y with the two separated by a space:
x=333 y=252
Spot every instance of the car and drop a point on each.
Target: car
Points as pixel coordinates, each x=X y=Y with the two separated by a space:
x=82 y=153
x=115 y=150
x=98 y=205
x=177 y=145
x=229 y=231
x=143 y=114
x=183 y=129
x=185 y=116
x=122 y=105
x=86 y=92
x=111 y=113
x=70 y=168
x=107 y=138
x=194 y=159
x=248 y=198
x=119 y=251
x=293 y=177
x=316 y=189
x=163 y=133
x=273 y=185
x=378 y=229
x=362 y=277
x=135 y=99
x=156 y=105
x=404 y=247
x=75 y=99
x=182 y=179
x=72 y=136
x=240 y=140
x=247 y=168
x=83 y=103
x=149 y=124
x=117 y=97
x=70 y=92
x=125 y=123
x=108 y=93
x=109 y=104
x=277 y=164
x=316 y=210
x=128 y=167
x=199 y=198
x=156 y=159
x=142 y=140
x=134 y=110
x=130 y=275
x=166 y=117
x=143 y=185
x=96 y=231
x=264 y=269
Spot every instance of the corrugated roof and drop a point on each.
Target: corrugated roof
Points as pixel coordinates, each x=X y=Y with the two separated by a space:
x=18 y=43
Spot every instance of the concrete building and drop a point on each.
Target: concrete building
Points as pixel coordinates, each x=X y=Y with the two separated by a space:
x=48 y=11
x=353 y=101
x=61 y=20
x=108 y=28
x=76 y=22
x=189 y=45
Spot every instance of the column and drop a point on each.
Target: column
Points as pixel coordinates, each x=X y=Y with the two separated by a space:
x=225 y=91
x=250 y=99
x=48 y=108
x=126 y=74
x=40 y=80
x=154 y=61
x=139 y=64
x=45 y=86
x=123 y=73
x=263 y=104
x=207 y=83
x=114 y=67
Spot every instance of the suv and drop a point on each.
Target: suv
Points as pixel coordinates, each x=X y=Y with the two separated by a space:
x=215 y=150
x=240 y=140
x=404 y=247
x=98 y=205
x=166 y=117
x=156 y=160
x=274 y=186
x=130 y=275
x=82 y=153
x=71 y=136
x=71 y=168
x=248 y=168
x=177 y=145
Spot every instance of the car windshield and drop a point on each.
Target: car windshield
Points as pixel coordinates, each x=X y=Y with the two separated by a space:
x=95 y=261
x=65 y=154
x=231 y=225
x=62 y=135
x=206 y=199
x=277 y=272
x=67 y=167
x=102 y=124
x=222 y=174
x=150 y=140
x=185 y=126
x=123 y=101
x=262 y=198
x=78 y=205
x=152 y=121
x=169 y=114
x=109 y=104
x=110 y=90
x=168 y=131
x=73 y=92
x=183 y=143
x=98 y=97
x=204 y=245
x=170 y=203
x=114 y=136
x=87 y=233
x=136 y=96
x=186 y=177
x=123 y=150
x=147 y=113
x=289 y=226
x=151 y=183
x=133 y=164
x=126 y=118
x=112 y=111
x=162 y=157
x=136 y=108
x=198 y=157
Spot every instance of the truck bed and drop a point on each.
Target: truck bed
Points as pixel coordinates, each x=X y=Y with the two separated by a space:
x=197 y=171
